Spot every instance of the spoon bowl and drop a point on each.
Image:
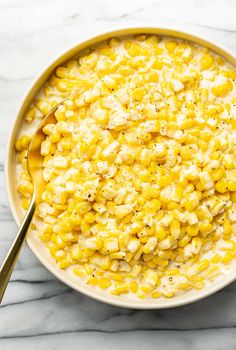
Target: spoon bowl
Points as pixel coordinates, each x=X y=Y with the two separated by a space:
x=34 y=157
x=34 y=165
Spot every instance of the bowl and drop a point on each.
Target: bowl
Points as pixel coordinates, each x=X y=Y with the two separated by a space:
x=35 y=244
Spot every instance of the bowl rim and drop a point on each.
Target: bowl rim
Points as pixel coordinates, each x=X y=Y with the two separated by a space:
x=86 y=42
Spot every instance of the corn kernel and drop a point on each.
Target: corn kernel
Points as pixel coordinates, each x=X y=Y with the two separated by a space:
x=104 y=283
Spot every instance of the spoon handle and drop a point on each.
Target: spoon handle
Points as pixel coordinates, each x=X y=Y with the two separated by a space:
x=8 y=265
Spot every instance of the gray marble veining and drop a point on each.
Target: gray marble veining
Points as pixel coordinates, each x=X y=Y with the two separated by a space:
x=40 y=312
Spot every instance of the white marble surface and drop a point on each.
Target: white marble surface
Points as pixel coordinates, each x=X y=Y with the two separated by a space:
x=38 y=311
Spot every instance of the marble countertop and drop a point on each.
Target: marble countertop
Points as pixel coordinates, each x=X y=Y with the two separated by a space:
x=38 y=311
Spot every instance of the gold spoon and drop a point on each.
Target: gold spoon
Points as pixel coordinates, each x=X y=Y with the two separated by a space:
x=34 y=166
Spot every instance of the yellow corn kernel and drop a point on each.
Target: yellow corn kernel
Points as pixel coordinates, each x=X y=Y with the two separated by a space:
x=63 y=264
x=25 y=203
x=227 y=258
x=173 y=272
x=218 y=174
x=212 y=272
x=160 y=262
x=26 y=188
x=99 y=207
x=133 y=286
x=113 y=42
x=184 y=240
x=89 y=217
x=125 y=71
x=206 y=62
x=192 y=200
x=133 y=245
x=186 y=124
x=168 y=294
x=101 y=116
x=118 y=255
x=150 y=245
x=229 y=161
x=199 y=285
x=196 y=278
x=111 y=245
x=22 y=143
x=30 y=114
x=79 y=272
x=151 y=77
x=92 y=280
x=104 y=283
x=165 y=181
x=66 y=144
x=147 y=288
x=205 y=227
x=60 y=162
x=222 y=90
x=171 y=45
x=152 y=206
x=227 y=227
x=233 y=197
x=216 y=258
x=115 y=276
x=185 y=283
x=192 y=230
x=94 y=243
x=221 y=186
x=122 y=210
x=175 y=229
x=138 y=94
x=228 y=245
x=166 y=254
x=53 y=250
x=22 y=156
x=157 y=64
x=160 y=233
x=62 y=72
x=156 y=294
x=121 y=287
x=202 y=265
x=88 y=270
x=166 y=243
x=231 y=185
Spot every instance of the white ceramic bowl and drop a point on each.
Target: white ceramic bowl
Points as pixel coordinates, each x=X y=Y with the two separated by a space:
x=36 y=246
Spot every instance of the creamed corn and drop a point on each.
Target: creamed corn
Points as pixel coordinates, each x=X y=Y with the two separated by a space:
x=140 y=168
